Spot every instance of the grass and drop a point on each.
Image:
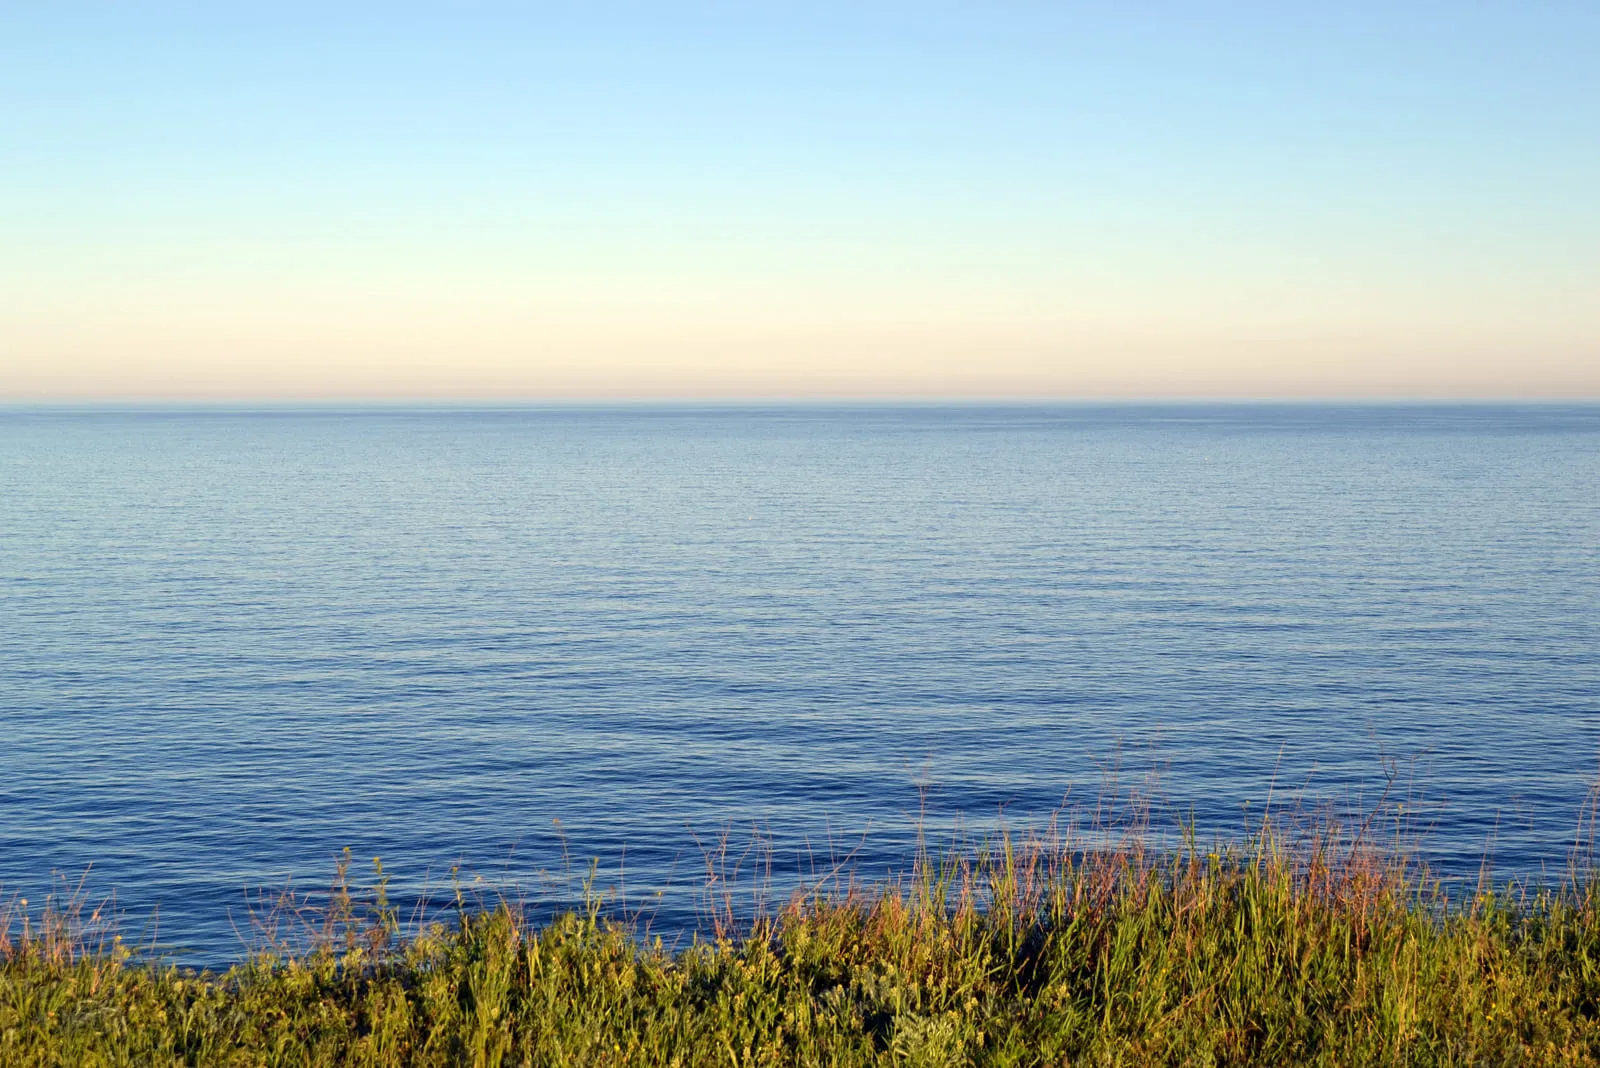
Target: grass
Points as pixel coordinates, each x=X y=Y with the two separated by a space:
x=1031 y=951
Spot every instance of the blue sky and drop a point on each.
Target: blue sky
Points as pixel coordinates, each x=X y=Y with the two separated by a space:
x=479 y=201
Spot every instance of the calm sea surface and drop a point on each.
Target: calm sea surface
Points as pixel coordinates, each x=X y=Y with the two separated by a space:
x=232 y=644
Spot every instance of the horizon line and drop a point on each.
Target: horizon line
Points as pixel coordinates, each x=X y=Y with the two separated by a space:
x=423 y=404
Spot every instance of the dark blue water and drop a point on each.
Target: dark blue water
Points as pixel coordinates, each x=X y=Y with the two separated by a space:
x=232 y=644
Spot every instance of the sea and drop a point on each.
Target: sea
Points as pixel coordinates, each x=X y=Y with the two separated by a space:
x=658 y=654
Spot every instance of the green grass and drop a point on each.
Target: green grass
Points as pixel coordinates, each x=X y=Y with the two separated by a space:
x=1025 y=953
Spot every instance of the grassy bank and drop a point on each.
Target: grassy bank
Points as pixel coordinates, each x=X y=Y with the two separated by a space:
x=1031 y=953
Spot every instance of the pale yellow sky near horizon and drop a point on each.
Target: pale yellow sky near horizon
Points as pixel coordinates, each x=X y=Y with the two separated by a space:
x=247 y=356
x=198 y=342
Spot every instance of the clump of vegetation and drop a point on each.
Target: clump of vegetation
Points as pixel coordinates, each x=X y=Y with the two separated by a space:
x=1030 y=952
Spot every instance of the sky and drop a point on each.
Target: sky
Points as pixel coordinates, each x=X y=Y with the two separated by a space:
x=486 y=203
